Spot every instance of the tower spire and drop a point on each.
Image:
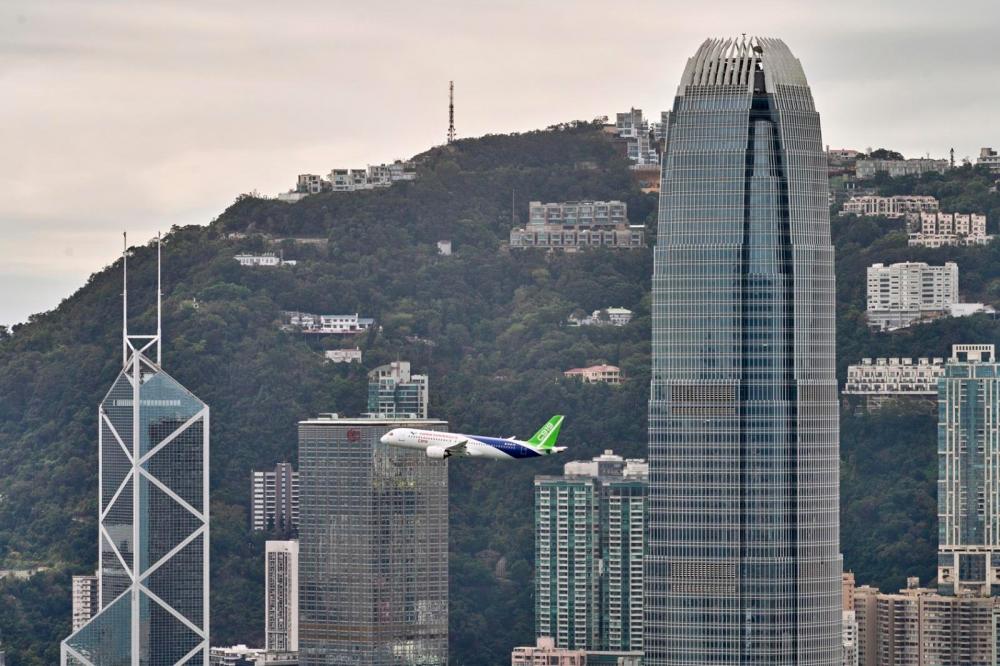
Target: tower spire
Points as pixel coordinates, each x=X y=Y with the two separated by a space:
x=159 y=301
x=124 y=297
x=451 y=111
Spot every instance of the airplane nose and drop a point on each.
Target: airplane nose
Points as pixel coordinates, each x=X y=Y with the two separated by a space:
x=385 y=438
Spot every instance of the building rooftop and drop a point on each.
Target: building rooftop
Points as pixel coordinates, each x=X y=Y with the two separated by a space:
x=336 y=420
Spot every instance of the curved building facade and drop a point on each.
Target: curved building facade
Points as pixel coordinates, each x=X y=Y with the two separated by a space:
x=743 y=565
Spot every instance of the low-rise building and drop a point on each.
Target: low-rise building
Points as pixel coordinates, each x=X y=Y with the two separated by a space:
x=867 y=168
x=236 y=655
x=904 y=293
x=264 y=259
x=338 y=324
x=545 y=653
x=606 y=374
x=939 y=229
x=632 y=127
x=989 y=158
x=574 y=224
x=892 y=207
x=605 y=317
x=883 y=379
x=444 y=248
x=343 y=355
x=86 y=599
x=351 y=180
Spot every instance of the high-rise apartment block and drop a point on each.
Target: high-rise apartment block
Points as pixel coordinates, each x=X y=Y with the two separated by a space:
x=275 y=499
x=590 y=537
x=574 y=224
x=373 y=546
x=153 y=449
x=393 y=392
x=743 y=563
x=892 y=207
x=281 y=596
x=86 y=599
x=969 y=472
x=940 y=229
x=922 y=627
x=904 y=293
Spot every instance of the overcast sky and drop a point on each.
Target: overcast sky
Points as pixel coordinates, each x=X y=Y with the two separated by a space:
x=139 y=116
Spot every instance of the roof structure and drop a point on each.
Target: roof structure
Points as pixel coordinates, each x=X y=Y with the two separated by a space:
x=732 y=62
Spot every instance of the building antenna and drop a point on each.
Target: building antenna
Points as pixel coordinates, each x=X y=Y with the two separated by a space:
x=451 y=111
x=159 y=301
x=124 y=297
x=513 y=210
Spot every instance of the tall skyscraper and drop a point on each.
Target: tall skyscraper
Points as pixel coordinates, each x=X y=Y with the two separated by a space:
x=281 y=592
x=275 y=499
x=590 y=537
x=968 y=471
x=86 y=599
x=153 y=543
x=373 y=546
x=394 y=393
x=744 y=564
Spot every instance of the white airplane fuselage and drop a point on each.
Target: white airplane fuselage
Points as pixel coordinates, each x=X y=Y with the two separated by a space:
x=442 y=445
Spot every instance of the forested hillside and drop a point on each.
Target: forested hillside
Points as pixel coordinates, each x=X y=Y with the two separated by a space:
x=486 y=324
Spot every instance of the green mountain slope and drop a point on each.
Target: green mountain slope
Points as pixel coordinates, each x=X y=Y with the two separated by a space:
x=486 y=325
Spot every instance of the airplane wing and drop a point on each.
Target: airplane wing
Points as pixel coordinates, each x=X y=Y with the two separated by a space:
x=457 y=449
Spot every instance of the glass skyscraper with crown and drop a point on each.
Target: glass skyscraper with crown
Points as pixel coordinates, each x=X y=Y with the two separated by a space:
x=743 y=564
x=154 y=523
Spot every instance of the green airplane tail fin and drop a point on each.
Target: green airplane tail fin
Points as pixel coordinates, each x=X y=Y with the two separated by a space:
x=546 y=437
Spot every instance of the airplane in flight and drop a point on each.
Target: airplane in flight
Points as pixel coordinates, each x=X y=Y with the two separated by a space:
x=443 y=445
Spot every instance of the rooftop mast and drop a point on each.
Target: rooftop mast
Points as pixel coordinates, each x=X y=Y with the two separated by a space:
x=451 y=111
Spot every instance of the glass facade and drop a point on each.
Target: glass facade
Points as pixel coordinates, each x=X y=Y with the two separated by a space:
x=153 y=439
x=373 y=547
x=743 y=564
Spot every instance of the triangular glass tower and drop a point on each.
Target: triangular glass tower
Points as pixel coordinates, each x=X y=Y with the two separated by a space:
x=153 y=441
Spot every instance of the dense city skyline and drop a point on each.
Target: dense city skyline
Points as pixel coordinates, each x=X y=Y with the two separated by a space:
x=158 y=115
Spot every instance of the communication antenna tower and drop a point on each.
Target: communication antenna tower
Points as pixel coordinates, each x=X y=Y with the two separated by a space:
x=451 y=111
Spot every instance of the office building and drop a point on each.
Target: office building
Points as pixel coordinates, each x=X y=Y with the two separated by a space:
x=393 y=392
x=868 y=168
x=274 y=503
x=86 y=599
x=373 y=546
x=968 y=486
x=940 y=229
x=590 y=535
x=281 y=596
x=882 y=379
x=989 y=158
x=574 y=224
x=891 y=207
x=904 y=293
x=743 y=564
x=153 y=449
